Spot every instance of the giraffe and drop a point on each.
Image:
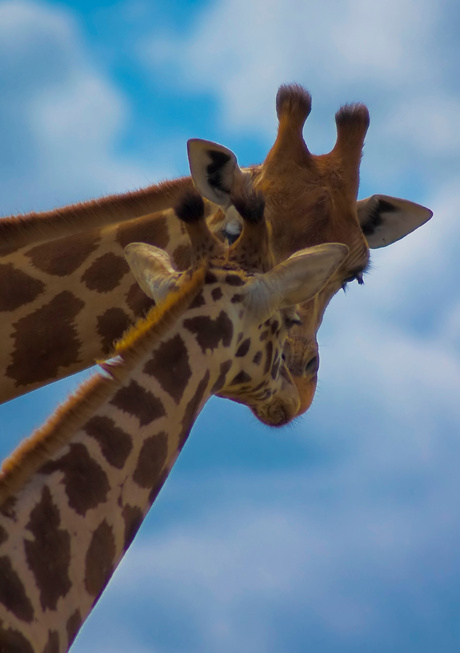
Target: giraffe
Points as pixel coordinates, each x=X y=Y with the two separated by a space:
x=73 y=496
x=65 y=291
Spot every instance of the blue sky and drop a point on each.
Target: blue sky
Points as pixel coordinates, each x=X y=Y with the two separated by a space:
x=342 y=532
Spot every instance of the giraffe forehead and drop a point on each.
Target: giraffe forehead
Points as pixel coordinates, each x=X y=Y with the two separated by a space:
x=310 y=204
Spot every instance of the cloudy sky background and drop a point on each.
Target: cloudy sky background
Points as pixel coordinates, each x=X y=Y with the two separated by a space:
x=341 y=533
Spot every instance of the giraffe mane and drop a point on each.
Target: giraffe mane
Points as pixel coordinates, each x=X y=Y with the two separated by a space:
x=71 y=415
x=18 y=230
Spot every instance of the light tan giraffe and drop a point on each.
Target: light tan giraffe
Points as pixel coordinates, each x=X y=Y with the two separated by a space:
x=73 y=496
x=64 y=301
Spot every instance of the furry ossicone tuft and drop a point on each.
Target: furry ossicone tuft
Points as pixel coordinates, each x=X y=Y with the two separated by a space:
x=353 y=114
x=190 y=207
x=293 y=102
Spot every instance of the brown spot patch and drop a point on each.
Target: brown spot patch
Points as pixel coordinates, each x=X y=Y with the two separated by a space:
x=257 y=358
x=13 y=594
x=138 y=301
x=48 y=554
x=268 y=356
x=191 y=411
x=3 y=535
x=139 y=402
x=219 y=384
x=12 y=641
x=151 y=229
x=240 y=378
x=73 y=625
x=152 y=458
x=210 y=277
x=133 y=517
x=46 y=340
x=52 y=645
x=210 y=333
x=63 y=256
x=198 y=301
x=85 y=481
x=105 y=273
x=170 y=366
x=217 y=294
x=17 y=288
x=110 y=326
x=100 y=560
x=234 y=280
x=115 y=444
x=8 y=508
x=243 y=348
x=237 y=298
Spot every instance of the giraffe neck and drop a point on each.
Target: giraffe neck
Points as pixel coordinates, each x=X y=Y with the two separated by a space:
x=19 y=231
x=64 y=302
x=74 y=496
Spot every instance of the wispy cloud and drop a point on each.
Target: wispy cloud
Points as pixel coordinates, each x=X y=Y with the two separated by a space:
x=330 y=46
x=62 y=116
x=390 y=55
x=247 y=559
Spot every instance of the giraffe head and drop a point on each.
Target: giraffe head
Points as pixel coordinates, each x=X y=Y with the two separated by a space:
x=243 y=311
x=310 y=200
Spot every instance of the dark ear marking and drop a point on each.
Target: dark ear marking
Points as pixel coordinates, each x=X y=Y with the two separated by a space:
x=213 y=169
x=374 y=218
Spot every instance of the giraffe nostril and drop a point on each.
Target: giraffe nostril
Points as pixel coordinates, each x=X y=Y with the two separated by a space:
x=313 y=365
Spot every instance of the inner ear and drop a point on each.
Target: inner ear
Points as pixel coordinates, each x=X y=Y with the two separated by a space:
x=213 y=168
x=152 y=269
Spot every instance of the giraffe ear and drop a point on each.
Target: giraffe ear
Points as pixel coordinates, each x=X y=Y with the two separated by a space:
x=152 y=268
x=385 y=219
x=296 y=280
x=214 y=169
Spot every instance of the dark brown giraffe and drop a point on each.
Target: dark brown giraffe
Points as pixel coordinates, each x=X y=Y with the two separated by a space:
x=73 y=496
x=65 y=291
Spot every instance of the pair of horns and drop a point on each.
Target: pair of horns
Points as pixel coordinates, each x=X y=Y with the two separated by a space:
x=293 y=106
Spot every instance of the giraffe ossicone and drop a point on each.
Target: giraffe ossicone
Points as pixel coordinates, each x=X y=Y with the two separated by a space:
x=73 y=496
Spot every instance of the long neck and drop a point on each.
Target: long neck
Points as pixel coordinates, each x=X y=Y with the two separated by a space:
x=63 y=303
x=18 y=231
x=75 y=495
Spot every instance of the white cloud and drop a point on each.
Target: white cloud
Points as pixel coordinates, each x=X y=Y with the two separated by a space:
x=435 y=130
x=243 y=51
x=235 y=574
x=61 y=117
